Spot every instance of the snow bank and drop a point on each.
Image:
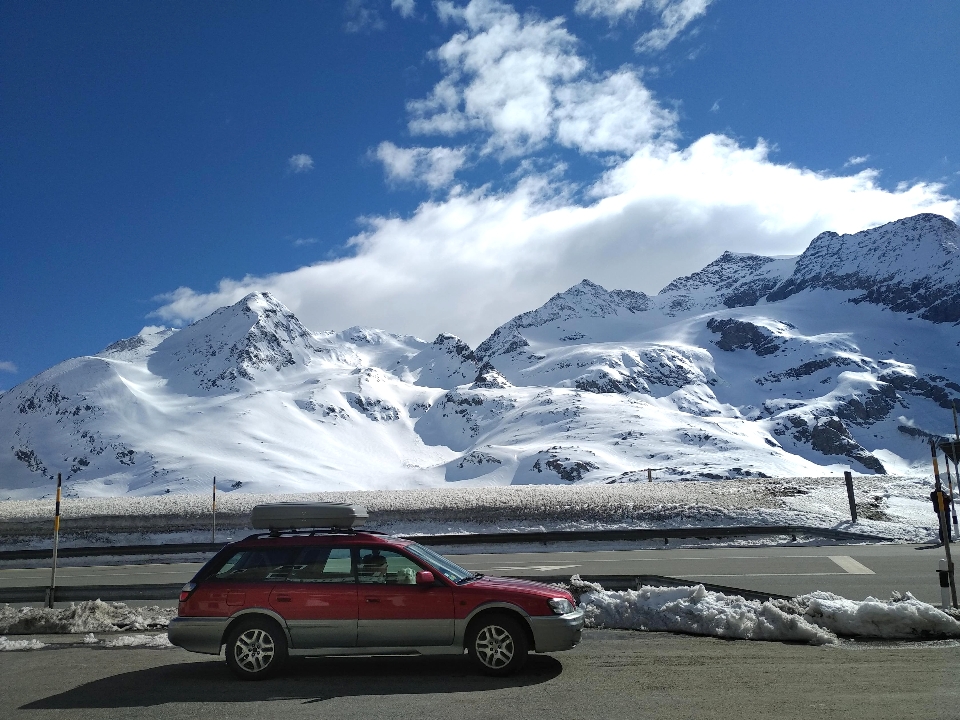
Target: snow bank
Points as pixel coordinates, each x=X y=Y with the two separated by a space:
x=696 y=611
x=20 y=644
x=818 y=618
x=819 y=502
x=142 y=641
x=902 y=617
x=84 y=617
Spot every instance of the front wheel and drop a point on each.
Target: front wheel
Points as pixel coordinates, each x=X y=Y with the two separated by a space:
x=497 y=645
x=256 y=649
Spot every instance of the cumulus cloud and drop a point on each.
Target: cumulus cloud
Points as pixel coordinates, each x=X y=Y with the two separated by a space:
x=674 y=16
x=406 y=8
x=469 y=261
x=300 y=163
x=520 y=81
x=856 y=160
x=7 y=366
x=434 y=167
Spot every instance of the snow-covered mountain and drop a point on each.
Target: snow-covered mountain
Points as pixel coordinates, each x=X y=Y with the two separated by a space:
x=843 y=357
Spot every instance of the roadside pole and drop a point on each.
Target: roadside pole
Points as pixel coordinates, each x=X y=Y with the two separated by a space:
x=213 y=537
x=56 y=540
x=953 y=497
x=848 y=478
x=944 y=530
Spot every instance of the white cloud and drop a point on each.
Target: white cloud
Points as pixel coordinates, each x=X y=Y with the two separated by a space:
x=406 y=8
x=674 y=15
x=520 y=81
x=715 y=108
x=434 y=167
x=856 y=160
x=7 y=366
x=359 y=15
x=301 y=242
x=300 y=163
x=470 y=261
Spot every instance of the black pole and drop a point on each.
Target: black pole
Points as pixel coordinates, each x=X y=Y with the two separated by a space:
x=848 y=477
x=56 y=541
x=942 y=517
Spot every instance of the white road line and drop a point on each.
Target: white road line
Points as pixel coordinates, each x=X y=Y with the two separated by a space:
x=734 y=575
x=538 y=568
x=851 y=565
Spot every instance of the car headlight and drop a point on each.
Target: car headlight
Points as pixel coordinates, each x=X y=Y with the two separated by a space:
x=561 y=606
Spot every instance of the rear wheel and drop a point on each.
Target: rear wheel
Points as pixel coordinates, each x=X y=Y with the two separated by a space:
x=497 y=644
x=256 y=649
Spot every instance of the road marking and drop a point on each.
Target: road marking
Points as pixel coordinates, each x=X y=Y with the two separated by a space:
x=538 y=568
x=735 y=575
x=851 y=565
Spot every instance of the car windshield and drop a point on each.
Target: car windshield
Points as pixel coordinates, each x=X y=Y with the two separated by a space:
x=450 y=569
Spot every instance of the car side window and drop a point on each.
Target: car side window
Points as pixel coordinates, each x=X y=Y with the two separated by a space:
x=320 y=564
x=376 y=565
x=258 y=565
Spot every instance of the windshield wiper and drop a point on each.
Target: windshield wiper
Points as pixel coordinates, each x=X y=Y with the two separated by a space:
x=469 y=578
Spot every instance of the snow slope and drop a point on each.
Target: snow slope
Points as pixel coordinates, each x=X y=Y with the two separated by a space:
x=843 y=357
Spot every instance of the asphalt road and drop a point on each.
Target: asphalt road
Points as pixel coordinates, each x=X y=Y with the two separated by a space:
x=612 y=674
x=854 y=571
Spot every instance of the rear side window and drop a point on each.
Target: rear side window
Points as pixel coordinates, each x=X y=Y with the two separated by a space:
x=258 y=565
x=323 y=565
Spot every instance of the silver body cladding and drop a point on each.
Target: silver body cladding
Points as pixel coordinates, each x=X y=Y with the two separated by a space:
x=346 y=637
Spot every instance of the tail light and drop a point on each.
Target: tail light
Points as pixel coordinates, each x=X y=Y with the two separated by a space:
x=186 y=591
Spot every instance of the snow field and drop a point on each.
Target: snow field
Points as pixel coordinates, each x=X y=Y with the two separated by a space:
x=818 y=618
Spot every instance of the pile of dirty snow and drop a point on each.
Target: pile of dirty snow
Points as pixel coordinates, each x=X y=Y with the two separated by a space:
x=818 y=618
x=6 y=645
x=84 y=617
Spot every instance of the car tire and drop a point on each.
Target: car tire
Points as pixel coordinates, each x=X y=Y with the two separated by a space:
x=256 y=649
x=497 y=644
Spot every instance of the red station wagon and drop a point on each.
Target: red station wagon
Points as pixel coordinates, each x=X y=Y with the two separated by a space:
x=315 y=586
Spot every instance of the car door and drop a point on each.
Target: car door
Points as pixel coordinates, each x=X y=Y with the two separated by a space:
x=318 y=598
x=393 y=610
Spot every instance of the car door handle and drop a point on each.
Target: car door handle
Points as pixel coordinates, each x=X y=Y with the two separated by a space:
x=373 y=600
x=283 y=598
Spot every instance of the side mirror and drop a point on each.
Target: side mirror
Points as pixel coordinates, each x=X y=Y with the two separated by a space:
x=425 y=577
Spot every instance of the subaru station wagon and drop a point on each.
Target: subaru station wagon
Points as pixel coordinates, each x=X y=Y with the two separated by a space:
x=313 y=585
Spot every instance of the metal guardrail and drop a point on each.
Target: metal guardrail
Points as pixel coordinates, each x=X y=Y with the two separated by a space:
x=79 y=593
x=548 y=536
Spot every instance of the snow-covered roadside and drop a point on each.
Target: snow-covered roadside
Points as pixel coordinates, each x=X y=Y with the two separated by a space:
x=818 y=618
x=84 y=617
x=894 y=507
x=8 y=645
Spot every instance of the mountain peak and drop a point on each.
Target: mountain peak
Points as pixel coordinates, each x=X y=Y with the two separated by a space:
x=233 y=344
x=909 y=265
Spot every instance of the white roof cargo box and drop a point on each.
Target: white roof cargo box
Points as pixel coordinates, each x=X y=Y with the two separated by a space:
x=300 y=515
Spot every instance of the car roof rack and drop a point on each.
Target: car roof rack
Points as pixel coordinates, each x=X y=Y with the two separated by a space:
x=313 y=516
x=311 y=532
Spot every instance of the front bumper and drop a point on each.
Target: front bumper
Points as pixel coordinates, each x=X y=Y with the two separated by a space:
x=556 y=632
x=198 y=634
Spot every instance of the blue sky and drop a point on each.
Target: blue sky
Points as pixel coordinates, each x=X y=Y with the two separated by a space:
x=423 y=167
